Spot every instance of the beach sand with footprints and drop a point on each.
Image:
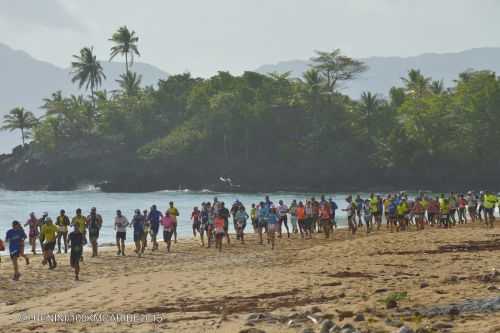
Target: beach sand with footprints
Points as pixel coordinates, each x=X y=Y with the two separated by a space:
x=435 y=280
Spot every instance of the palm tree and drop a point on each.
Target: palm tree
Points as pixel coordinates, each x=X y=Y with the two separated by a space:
x=19 y=118
x=130 y=83
x=416 y=83
x=369 y=104
x=87 y=70
x=314 y=87
x=125 y=44
x=437 y=87
x=54 y=105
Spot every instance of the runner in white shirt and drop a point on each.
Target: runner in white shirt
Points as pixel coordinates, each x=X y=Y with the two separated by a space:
x=121 y=224
x=282 y=212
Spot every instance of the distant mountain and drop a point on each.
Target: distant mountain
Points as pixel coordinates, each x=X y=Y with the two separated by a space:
x=25 y=81
x=386 y=72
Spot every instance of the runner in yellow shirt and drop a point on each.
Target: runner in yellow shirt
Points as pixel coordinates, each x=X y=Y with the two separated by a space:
x=49 y=235
x=173 y=212
x=81 y=222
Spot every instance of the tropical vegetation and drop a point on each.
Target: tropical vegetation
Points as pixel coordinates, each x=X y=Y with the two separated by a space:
x=265 y=131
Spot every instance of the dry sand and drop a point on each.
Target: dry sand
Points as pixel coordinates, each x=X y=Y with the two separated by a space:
x=196 y=289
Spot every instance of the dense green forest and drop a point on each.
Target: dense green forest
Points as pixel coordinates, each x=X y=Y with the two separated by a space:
x=266 y=132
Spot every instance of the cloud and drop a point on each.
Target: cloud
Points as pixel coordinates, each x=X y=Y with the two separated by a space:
x=37 y=13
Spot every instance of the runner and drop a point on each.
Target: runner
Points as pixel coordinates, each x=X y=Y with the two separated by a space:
x=80 y=221
x=211 y=224
x=325 y=218
x=272 y=225
x=387 y=201
x=49 y=235
x=301 y=218
x=234 y=209
x=168 y=223
x=418 y=211
x=138 y=224
x=76 y=242
x=351 y=211
x=41 y=222
x=262 y=220
x=462 y=205
x=358 y=204
x=293 y=216
x=283 y=218
x=444 y=211
x=403 y=209
x=174 y=214
x=204 y=222
x=224 y=213
x=33 y=232
x=121 y=224
x=94 y=224
x=490 y=201
x=452 y=200
x=15 y=238
x=195 y=217
x=220 y=230
x=241 y=218
x=480 y=206
x=62 y=223
x=333 y=208
x=147 y=230
x=154 y=219
x=253 y=217
x=309 y=220
x=472 y=206
x=392 y=213
x=368 y=215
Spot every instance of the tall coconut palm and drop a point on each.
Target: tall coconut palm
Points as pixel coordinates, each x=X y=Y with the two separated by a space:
x=125 y=44
x=19 y=119
x=130 y=83
x=416 y=83
x=87 y=70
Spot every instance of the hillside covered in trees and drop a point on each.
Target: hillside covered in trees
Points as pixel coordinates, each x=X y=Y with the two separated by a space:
x=264 y=131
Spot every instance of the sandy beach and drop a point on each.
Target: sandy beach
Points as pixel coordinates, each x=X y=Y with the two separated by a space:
x=376 y=283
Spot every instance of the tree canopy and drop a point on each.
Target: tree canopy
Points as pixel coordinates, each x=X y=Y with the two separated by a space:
x=273 y=131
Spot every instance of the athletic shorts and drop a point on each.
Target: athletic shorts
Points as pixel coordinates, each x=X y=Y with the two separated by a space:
x=15 y=254
x=261 y=223
x=74 y=257
x=489 y=211
x=154 y=229
x=138 y=235
x=167 y=235
x=93 y=234
x=121 y=235
x=49 y=246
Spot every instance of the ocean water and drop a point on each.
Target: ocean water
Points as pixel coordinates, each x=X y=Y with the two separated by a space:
x=17 y=205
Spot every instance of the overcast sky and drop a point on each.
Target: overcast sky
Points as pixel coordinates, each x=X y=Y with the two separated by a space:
x=203 y=36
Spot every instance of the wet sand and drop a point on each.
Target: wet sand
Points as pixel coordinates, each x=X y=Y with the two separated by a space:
x=296 y=286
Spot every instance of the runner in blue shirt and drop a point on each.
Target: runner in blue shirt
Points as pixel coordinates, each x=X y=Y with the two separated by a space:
x=154 y=218
x=15 y=237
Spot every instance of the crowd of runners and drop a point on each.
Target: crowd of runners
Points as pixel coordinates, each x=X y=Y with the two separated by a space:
x=268 y=221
